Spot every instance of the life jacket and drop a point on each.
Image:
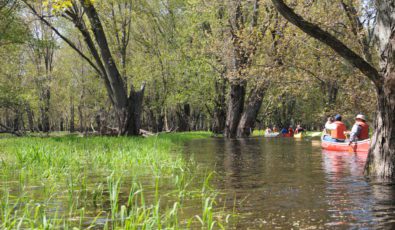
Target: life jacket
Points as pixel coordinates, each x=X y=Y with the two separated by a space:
x=364 y=134
x=338 y=133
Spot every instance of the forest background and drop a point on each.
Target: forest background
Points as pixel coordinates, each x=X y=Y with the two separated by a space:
x=225 y=66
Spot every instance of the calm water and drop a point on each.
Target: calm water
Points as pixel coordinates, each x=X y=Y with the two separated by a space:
x=282 y=183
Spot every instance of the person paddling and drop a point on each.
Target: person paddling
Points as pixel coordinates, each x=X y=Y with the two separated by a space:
x=299 y=129
x=360 y=130
x=337 y=129
x=291 y=131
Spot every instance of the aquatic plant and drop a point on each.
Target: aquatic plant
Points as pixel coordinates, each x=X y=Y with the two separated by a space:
x=106 y=182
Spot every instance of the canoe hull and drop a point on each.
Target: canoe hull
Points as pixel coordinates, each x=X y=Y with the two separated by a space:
x=359 y=146
x=286 y=135
x=298 y=135
x=272 y=134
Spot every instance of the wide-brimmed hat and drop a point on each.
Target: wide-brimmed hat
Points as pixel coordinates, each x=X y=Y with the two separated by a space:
x=361 y=116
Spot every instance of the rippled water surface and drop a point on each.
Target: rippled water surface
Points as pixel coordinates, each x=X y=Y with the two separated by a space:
x=285 y=183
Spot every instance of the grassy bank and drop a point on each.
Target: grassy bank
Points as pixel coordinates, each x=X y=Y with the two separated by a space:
x=104 y=182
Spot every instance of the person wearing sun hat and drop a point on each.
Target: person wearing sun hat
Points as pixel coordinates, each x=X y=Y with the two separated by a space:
x=337 y=129
x=360 y=130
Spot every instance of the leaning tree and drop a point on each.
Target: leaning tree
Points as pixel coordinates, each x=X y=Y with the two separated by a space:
x=381 y=158
x=84 y=16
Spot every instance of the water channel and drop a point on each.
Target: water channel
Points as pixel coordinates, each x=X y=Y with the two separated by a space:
x=283 y=183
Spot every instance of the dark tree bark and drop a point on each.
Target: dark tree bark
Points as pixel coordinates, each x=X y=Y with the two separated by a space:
x=72 y=115
x=61 y=124
x=6 y=129
x=30 y=118
x=17 y=120
x=241 y=59
x=81 y=118
x=183 y=118
x=133 y=114
x=381 y=157
x=122 y=29
x=44 y=109
x=151 y=121
x=127 y=107
x=219 y=114
x=248 y=119
x=235 y=109
x=160 y=122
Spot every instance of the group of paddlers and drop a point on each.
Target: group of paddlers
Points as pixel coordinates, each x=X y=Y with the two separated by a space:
x=288 y=132
x=336 y=130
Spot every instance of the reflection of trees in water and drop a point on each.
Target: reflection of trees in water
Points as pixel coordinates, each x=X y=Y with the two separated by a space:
x=243 y=169
x=347 y=192
x=383 y=207
x=242 y=164
x=365 y=203
x=270 y=178
x=339 y=165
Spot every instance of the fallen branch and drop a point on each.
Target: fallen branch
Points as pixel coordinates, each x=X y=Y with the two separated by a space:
x=10 y=131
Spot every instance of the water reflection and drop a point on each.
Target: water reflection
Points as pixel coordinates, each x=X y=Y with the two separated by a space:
x=347 y=192
x=283 y=183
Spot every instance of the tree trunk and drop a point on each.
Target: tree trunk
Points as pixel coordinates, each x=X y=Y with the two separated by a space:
x=160 y=122
x=72 y=125
x=61 y=124
x=151 y=121
x=132 y=112
x=128 y=109
x=247 y=121
x=381 y=158
x=183 y=118
x=81 y=118
x=44 y=109
x=29 y=114
x=219 y=114
x=235 y=109
x=16 y=122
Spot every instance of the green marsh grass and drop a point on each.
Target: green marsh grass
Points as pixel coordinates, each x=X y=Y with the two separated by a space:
x=104 y=182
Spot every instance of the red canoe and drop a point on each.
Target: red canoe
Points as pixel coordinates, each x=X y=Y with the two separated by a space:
x=287 y=135
x=359 y=146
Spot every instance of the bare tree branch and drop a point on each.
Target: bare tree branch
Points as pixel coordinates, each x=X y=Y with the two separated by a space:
x=70 y=43
x=339 y=47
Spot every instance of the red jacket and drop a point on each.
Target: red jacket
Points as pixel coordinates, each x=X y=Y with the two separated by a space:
x=338 y=133
x=364 y=134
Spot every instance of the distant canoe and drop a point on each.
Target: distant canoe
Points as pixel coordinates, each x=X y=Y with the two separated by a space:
x=272 y=134
x=315 y=134
x=298 y=135
x=359 y=146
x=286 y=135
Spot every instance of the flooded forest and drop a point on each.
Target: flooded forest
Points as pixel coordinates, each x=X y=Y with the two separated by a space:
x=194 y=114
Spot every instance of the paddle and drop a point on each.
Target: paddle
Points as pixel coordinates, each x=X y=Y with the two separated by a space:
x=352 y=148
